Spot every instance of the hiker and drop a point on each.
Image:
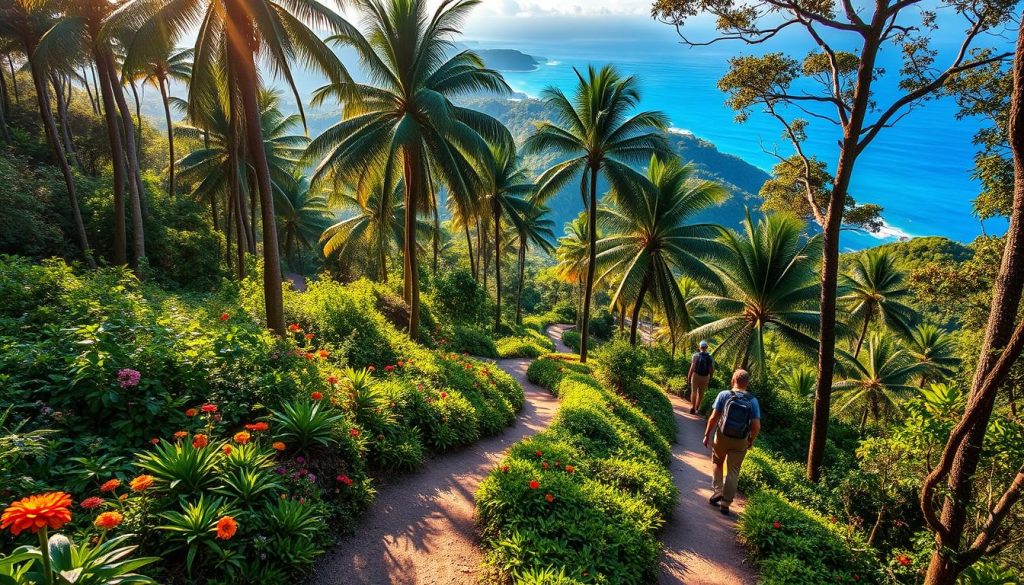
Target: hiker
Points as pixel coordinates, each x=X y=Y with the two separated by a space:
x=735 y=422
x=702 y=367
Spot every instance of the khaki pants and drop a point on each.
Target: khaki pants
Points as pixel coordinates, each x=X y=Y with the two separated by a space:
x=698 y=386
x=727 y=452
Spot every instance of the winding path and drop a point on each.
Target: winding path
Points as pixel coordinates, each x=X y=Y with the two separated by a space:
x=421 y=528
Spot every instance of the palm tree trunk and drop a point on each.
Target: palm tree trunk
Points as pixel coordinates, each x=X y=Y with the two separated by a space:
x=143 y=203
x=636 y=312
x=134 y=180
x=62 y=115
x=437 y=228
x=522 y=277
x=246 y=66
x=106 y=92
x=251 y=206
x=860 y=338
x=237 y=214
x=5 y=107
x=481 y=242
x=39 y=79
x=382 y=266
x=469 y=246
x=497 y=265
x=591 y=264
x=88 y=91
x=162 y=81
x=96 y=85
x=413 y=178
x=229 y=205
x=14 y=79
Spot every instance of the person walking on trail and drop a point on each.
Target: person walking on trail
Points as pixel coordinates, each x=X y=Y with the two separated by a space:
x=702 y=367
x=735 y=422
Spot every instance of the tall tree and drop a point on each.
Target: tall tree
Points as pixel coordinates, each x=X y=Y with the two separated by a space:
x=1004 y=341
x=232 y=34
x=25 y=22
x=875 y=291
x=408 y=117
x=875 y=382
x=573 y=257
x=534 y=226
x=301 y=218
x=837 y=86
x=159 y=72
x=768 y=284
x=649 y=239
x=934 y=349
x=595 y=131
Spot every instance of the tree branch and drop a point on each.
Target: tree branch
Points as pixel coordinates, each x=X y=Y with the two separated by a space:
x=808 y=191
x=1010 y=497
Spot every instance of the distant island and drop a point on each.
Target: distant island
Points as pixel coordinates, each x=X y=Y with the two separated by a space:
x=510 y=60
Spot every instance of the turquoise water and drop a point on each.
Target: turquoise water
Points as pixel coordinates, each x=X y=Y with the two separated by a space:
x=918 y=171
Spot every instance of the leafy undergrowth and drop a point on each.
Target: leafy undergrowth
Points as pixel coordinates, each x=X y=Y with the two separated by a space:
x=106 y=381
x=580 y=502
x=531 y=344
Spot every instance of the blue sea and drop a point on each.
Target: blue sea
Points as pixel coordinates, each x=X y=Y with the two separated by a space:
x=918 y=171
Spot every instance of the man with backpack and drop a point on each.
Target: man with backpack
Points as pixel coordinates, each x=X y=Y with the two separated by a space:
x=735 y=422
x=702 y=367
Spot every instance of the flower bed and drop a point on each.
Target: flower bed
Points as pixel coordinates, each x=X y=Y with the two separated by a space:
x=581 y=501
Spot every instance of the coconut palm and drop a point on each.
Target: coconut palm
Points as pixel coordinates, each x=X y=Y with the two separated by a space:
x=767 y=284
x=231 y=37
x=173 y=65
x=406 y=117
x=932 y=348
x=648 y=239
x=874 y=291
x=573 y=257
x=302 y=216
x=596 y=132
x=23 y=23
x=535 y=227
x=875 y=382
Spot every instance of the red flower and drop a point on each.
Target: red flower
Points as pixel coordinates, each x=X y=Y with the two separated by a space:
x=549 y=497
x=224 y=316
x=316 y=395
x=180 y=434
x=191 y=412
x=310 y=356
x=332 y=380
x=444 y=395
x=155 y=441
x=226 y=449
x=904 y=560
x=257 y=426
x=569 y=469
x=504 y=468
x=538 y=454
x=294 y=328
x=544 y=465
x=309 y=336
x=534 y=484
x=110 y=485
x=200 y=440
x=208 y=408
x=90 y=503
x=345 y=480
x=389 y=368
x=353 y=432
x=776 y=525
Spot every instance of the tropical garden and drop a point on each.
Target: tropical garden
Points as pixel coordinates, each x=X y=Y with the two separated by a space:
x=221 y=332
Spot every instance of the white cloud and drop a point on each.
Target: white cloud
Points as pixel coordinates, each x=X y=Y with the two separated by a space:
x=531 y=8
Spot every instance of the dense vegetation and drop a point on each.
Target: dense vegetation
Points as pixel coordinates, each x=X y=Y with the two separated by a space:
x=167 y=391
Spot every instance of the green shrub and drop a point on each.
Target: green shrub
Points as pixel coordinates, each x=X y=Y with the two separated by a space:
x=620 y=365
x=796 y=545
x=602 y=492
x=458 y=298
x=472 y=340
x=531 y=345
x=571 y=338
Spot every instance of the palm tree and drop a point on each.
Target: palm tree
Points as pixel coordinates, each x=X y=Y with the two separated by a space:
x=934 y=350
x=173 y=65
x=648 y=240
x=407 y=117
x=595 y=131
x=533 y=226
x=24 y=22
x=374 y=229
x=507 y=189
x=874 y=291
x=877 y=381
x=302 y=217
x=574 y=257
x=768 y=284
x=231 y=36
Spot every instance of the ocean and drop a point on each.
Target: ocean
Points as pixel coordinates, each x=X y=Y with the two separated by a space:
x=918 y=171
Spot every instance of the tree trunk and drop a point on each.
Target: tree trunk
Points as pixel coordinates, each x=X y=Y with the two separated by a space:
x=872 y=538
x=105 y=90
x=636 y=312
x=251 y=206
x=849 y=150
x=14 y=79
x=62 y=114
x=860 y=338
x=88 y=91
x=5 y=107
x=469 y=246
x=143 y=203
x=591 y=264
x=161 y=81
x=95 y=84
x=39 y=79
x=497 y=265
x=413 y=176
x=131 y=150
x=437 y=229
x=522 y=277
x=248 y=87
x=947 y=560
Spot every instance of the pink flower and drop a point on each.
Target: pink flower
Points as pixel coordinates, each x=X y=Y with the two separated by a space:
x=128 y=378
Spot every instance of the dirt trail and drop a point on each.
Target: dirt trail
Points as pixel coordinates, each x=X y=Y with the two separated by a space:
x=700 y=543
x=421 y=528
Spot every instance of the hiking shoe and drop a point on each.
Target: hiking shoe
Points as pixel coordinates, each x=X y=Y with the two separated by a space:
x=693 y=410
x=724 y=510
x=714 y=500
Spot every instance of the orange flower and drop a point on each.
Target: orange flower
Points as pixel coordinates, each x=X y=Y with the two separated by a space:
x=200 y=440
x=226 y=527
x=90 y=503
x=309 y=336
x=110 y=485
x=332 y=380
x=226 y=449
x=259 y=426
x=108 y=520
x=549 y=497
x=208 y=407
x=569 y=469
x=155 y=441
x=191 y=412
x=294 y=328
x=142 y=483
x=36 y=512
x=324 y=354
x=278 y=446
x=317 y=395
x=180 y=435
x=242 y=437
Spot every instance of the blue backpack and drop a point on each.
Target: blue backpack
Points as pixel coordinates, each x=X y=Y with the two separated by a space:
x=703 y=365
x=736 y=416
